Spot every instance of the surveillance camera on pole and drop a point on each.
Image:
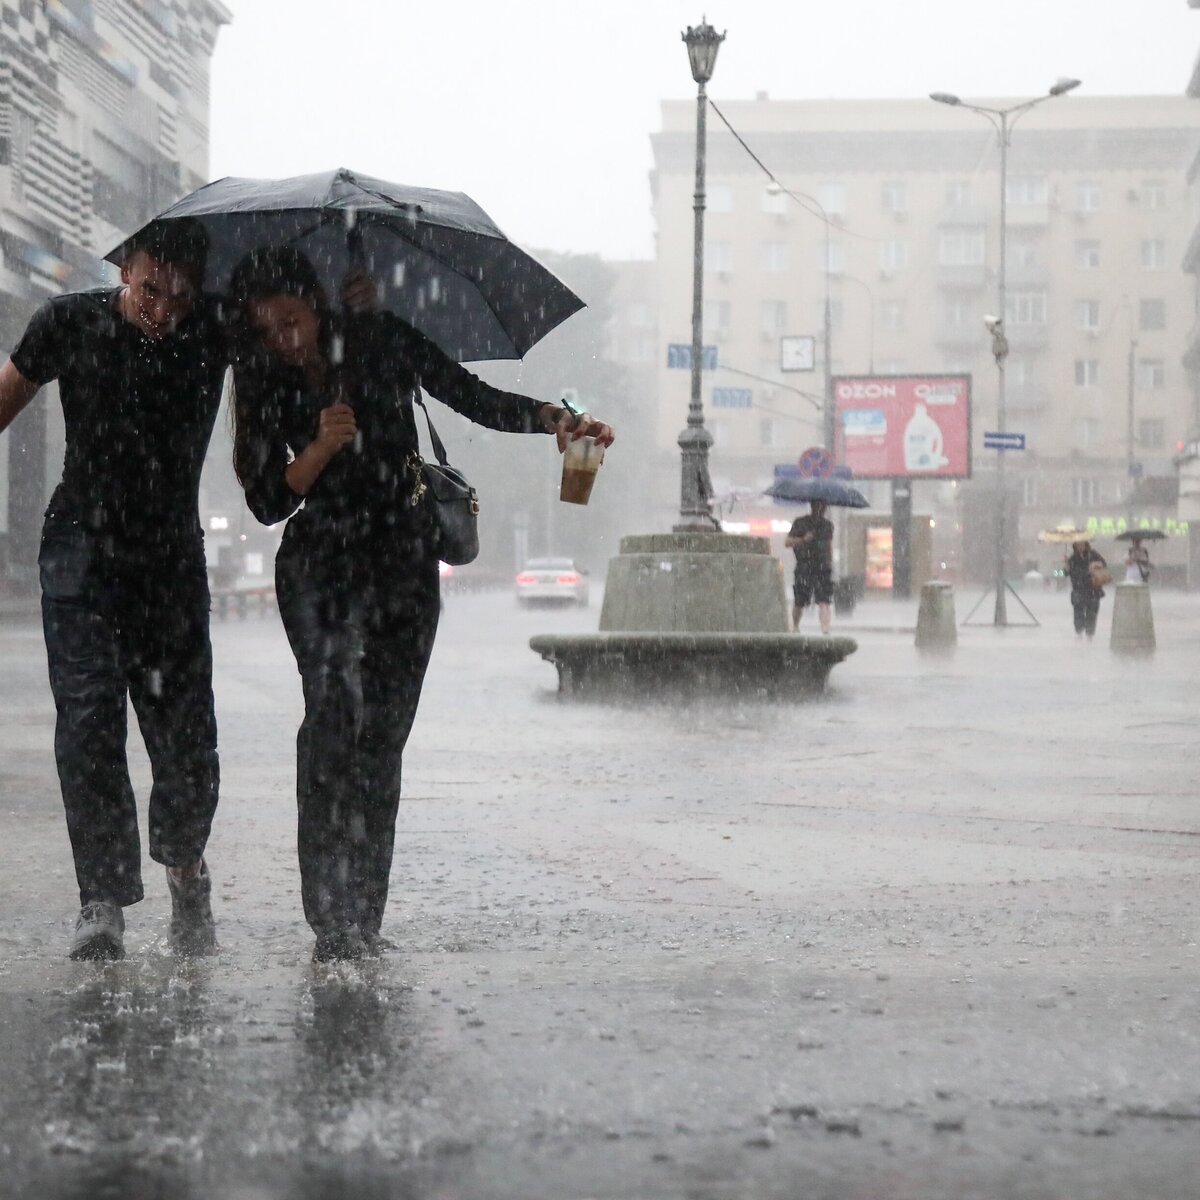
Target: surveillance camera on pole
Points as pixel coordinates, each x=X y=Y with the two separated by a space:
x=995 y=326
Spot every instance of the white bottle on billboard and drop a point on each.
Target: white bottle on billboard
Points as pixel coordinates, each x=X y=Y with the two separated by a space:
x=923 y=442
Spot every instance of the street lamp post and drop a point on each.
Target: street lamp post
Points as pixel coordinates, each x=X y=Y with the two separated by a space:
x=1002 y=120
x=695 y=493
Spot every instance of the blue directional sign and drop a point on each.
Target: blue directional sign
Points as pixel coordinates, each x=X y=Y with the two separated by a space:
x=1003 y=441
x=679 y=357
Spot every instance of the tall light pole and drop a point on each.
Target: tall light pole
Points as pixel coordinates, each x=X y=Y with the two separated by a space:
x=1002 y=120
x=695 y=492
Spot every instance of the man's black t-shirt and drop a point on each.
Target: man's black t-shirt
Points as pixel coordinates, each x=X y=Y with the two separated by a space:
x=138 y=412
x=818 y=554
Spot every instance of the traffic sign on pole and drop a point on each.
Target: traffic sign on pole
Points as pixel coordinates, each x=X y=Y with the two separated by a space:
x=1003 y=441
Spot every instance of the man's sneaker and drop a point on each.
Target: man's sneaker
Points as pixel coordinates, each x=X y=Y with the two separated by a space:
x=99 y=932
x=339 y=945
x=193 y=930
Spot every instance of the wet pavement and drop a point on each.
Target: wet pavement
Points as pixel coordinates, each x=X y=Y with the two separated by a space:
x=934 y=935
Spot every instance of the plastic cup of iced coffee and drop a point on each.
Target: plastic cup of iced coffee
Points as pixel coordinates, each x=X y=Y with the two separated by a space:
x=581 y=461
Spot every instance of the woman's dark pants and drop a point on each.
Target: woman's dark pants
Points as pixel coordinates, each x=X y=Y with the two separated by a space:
x=362 y=648
x=1087 y=609
x=129 y=622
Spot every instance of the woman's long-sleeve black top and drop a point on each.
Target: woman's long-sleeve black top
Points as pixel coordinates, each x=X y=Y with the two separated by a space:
x=367 y=488
x=1079 y=572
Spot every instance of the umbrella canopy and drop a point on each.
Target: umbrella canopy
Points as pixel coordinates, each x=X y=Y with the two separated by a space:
x=1141 y=535
x=832 y=491
x=1064 y=534
x=438 y=260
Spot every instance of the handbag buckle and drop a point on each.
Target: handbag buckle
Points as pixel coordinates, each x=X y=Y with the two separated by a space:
x=473 y=503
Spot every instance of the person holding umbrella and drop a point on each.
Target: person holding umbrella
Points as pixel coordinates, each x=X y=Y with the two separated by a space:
x=811 y=539
x=326 y=438
x=1088 y=572
x=1137 y=560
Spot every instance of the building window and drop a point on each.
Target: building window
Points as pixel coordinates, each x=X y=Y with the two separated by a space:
x=769 y=432
x=831 y=257
x=837 y=313
x=958 y=193
x=1154 y=195
x=1087 y=315
x=1087 y=372
x=773 y=317
x=832 y=198
x=1151 y=434
x=1085 y=433
x=1026 y=189
x=774 y=256
x=1151 y=374
x=958 y=313
x=1022 y=253
x=1029 y=492
x=892 y=315
x=720 y=198
x=774 y=200
x=718 y=316
x=1085 y=492
x=893 y=366
x=1154 y=254
x=1026 y=308
x=1152 y=315
x=1087 y=255
x=961 y=249
x=1089 y=197
x=893 y=254
x=1018 y=369
x=894 y=197
x=718 y=256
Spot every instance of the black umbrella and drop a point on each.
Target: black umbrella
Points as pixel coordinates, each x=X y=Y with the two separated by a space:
x=1140 y=535
x=437 y=259
x=832 y=491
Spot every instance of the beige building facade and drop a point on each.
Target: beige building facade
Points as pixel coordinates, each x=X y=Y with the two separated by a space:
x=1099 y=307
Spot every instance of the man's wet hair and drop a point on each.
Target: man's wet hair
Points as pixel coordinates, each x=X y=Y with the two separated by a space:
x=182 y=243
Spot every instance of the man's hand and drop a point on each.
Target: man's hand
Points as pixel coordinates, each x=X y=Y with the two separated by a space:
x=359 y=293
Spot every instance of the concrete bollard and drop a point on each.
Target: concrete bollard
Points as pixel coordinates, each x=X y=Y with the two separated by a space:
x=1132 y=619
x=937 y=631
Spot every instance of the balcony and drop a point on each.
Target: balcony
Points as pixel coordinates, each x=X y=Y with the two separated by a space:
x=965 y=216
x=1191 y=353
x=1026 y=398
x=1028 y=337
x=1026 y=216
x=962 y=278
x=960 y=337
x=1191 y=256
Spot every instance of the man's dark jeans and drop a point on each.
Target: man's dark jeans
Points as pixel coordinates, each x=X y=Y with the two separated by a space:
x=129 y=622
x=362 y=646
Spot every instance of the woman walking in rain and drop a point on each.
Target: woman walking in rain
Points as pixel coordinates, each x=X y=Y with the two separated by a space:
x=1086 y=592
x=357 y=569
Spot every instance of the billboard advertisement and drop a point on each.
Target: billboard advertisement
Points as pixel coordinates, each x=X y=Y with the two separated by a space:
x=903 y=426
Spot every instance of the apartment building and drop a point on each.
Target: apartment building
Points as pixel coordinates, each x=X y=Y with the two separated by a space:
x=103 y=122
x=893 y=227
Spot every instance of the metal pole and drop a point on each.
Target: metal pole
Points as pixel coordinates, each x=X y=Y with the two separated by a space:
x=1000 y=617
x=828 y=422
x=1129 y=485
x=695 y=492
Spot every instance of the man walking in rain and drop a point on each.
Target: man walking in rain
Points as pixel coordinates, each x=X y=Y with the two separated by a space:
x=125 y=602
x=811 y=538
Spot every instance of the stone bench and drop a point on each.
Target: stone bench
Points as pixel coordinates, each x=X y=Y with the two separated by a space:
x=681 y=664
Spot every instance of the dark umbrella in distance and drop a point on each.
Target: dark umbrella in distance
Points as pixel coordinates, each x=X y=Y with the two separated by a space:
x=1140 y=535
x=836 y=492
x=437 y=259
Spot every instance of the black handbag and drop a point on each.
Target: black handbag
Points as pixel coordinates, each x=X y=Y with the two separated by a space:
x=453 y=501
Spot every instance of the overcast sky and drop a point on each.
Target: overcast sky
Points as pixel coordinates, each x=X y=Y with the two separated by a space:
x=542 y=110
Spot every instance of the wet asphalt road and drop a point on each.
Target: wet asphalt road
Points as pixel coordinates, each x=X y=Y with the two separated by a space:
x=932 y=936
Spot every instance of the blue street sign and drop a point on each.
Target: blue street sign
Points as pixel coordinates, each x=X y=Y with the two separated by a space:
x=1004 y=441
x=679 y=357
x=732 y=398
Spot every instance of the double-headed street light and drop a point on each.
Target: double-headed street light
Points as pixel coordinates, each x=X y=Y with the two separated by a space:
x=1002 y=119
x=695 y=493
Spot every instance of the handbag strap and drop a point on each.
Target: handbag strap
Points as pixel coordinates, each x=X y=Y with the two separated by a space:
x=438 y=449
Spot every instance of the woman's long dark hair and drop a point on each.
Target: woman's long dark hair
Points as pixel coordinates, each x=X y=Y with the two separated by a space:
x=257 y=374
